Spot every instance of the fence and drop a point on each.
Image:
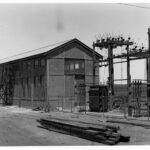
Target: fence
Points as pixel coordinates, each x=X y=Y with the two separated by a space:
x=67 y=104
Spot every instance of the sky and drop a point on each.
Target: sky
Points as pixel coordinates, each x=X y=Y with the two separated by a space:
x=24 y=27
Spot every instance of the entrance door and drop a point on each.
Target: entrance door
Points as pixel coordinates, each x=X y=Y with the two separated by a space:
x=80 y=89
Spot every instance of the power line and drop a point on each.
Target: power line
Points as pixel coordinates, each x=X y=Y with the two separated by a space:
x=34 y=50
x=148 y=8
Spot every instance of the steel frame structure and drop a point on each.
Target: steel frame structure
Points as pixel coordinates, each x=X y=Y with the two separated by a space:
x=110 y=45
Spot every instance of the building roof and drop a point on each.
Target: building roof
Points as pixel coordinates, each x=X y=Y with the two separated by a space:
x=45 y=50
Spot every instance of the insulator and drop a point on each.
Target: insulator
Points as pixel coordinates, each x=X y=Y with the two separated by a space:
x=122 y=40
x=108 y=39
x=97 y=41
x=140 y=50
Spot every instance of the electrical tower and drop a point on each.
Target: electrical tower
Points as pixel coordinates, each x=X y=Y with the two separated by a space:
x=111 y=43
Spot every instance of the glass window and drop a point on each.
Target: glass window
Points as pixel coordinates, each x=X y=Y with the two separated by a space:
x=35 y=83
x=67 y=67
x=24 y=64
x=76 y=66
x=36 y=63
x=42 y=62
x=29 y=64
x=82 y=65
x=71 y=66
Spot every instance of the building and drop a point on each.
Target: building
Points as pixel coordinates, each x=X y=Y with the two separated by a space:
x=41 y=77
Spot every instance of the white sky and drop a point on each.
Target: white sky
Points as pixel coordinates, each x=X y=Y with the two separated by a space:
x=24 y=27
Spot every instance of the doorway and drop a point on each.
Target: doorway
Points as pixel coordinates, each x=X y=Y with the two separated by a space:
x=79 y=84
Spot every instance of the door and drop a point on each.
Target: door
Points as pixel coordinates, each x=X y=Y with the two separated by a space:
x=80 y=89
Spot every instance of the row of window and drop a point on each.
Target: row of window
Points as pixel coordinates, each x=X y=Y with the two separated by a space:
x=37 y=63
x=38 y=81
x=74 y=66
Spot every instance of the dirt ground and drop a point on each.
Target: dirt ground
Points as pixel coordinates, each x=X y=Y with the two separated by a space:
x=19 y=127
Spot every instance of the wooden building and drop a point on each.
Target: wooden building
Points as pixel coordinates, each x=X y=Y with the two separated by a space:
x=42 y=76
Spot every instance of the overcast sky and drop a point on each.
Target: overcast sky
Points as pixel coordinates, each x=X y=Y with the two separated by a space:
x=24 y=27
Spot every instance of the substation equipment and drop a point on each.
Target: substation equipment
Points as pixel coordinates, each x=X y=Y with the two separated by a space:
x=134 y=100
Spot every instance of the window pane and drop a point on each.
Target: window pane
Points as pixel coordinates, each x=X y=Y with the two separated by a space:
x=82 y=65
x=29 y=64
x=42 y=62
x=72 y=66
x=67 y=67
x=36 y=63
x=76 y=66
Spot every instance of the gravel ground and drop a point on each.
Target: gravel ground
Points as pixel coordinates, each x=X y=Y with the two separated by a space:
x=19 y=127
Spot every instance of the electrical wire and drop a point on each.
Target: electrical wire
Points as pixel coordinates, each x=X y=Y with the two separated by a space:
x=33 y=50
x=148 y=8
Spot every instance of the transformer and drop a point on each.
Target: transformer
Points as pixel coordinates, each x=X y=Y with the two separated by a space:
x=98 y=98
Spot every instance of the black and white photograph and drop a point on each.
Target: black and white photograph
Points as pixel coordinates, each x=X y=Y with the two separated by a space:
x=74 y=74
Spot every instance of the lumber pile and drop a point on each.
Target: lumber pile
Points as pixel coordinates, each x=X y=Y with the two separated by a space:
x=141 y=123
x=103 y=134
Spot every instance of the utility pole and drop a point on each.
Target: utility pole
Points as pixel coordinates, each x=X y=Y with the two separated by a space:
x=127 y=103
x=148 y=75
x=94 y=60
x=111 y=76
x=111 y=43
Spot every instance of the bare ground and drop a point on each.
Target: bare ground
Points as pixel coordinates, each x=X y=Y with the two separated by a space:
x=19 y=127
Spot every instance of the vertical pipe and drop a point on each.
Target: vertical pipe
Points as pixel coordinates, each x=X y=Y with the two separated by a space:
x=32 y=92
x=58 y=103
x=94 y=59
x=128 y=79
x=47 y=80
x=71 y=104
x=62 y=103
x=111 y=76
x=148 y=72
x=147 y=88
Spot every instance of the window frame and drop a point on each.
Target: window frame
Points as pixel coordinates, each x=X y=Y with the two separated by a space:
x=69 y=61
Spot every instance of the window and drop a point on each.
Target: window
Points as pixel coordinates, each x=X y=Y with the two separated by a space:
x=29 y=64
x=27 y=81
x=42 y=62
x=35 y=83
x=41 y=81
x=71 y=66
x=29 y=86
x=24 y=65
x=77 y=66
x=74 y=66
x=36 y=63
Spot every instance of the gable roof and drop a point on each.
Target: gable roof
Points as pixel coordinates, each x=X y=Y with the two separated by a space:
x=48 y=50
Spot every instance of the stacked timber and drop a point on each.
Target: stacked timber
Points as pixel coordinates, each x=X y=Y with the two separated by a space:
x=103 y=134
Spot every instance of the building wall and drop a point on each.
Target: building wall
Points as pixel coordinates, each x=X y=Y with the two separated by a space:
x=62 y=85
x=29 y=83
x=35 y=85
